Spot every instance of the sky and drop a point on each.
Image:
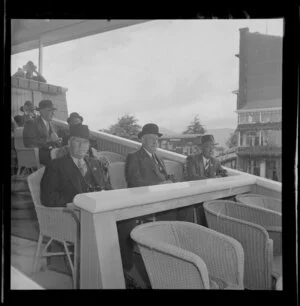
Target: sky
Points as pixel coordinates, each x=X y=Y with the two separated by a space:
x=161 y=71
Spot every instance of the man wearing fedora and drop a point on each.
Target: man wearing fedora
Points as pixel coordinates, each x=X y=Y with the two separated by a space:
x=41 y=133
x=29 y=111
x=73 y=119
x=144 y=167
x=72 y=173
x=203 y=165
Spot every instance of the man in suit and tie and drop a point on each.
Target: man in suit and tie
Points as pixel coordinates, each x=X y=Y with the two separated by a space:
x=144 y=167
x=203 y=165
x=41 y=133
x=72 y=173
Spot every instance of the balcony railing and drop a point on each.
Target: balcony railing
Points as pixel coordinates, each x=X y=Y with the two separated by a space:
x=259 y=151
x=100 y=257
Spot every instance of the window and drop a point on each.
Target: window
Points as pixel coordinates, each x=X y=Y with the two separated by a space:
x=253 y=167
x=242 y=118
x=271 y=116
x=271 y=138
x=253 y=118
x=250 y=139
x=271 y=170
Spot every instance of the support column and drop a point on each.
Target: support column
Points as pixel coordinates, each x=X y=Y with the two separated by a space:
x=263 y=168
x=40 y=57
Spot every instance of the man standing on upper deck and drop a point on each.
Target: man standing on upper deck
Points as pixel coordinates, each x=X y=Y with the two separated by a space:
x=40 y=132
x=203 y=165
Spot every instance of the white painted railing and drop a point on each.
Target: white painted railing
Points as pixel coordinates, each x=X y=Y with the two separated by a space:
x=100 y=257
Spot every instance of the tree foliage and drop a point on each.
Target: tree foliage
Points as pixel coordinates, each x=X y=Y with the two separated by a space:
x=195 y=127
x=126 y=127
x=232 y=141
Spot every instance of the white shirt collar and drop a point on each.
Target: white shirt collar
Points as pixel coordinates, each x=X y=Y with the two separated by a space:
x=205 y=160
x=76 y=160
x=45 y=122
x=150 y=154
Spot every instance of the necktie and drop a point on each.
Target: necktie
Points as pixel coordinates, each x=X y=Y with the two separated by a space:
x=206 y=164
x=82 y=166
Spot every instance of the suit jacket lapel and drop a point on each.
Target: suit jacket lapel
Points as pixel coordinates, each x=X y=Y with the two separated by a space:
x=148 y=160
x=93 y=168
x=42 y=127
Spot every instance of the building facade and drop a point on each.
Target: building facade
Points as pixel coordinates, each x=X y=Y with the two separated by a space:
x=259 y=104
x=180 y=143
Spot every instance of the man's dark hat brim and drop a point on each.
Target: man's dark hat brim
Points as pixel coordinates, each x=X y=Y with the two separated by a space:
x=149 y=128
x=80 y=131
x=206 y=138
x=46 y=104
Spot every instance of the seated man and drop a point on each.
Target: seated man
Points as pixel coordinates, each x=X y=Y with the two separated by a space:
x=40 y=132
x=72 y=173
x=203 y=165
x=142 y=168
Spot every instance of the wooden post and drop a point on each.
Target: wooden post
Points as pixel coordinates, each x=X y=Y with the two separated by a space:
x=40 y=57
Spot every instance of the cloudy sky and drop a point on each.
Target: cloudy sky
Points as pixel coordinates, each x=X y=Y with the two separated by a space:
x=162 y=71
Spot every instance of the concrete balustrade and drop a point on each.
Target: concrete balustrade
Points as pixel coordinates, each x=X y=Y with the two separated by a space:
x=100 y=264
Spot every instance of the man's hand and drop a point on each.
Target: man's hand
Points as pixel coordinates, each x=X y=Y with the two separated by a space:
x=53 y=137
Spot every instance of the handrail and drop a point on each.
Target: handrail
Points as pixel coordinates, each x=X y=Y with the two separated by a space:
x=108 y=201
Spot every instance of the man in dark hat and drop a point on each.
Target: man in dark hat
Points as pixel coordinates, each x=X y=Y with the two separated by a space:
x=41 y=133
x=29 y=111
x=142 y=168
x=32 y=73
x=72 y=173
x=203 y=165
x=74 y=118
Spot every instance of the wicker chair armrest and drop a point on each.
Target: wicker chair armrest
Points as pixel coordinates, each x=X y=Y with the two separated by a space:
x=58 y=223
x=223 y=255
x=173 y=267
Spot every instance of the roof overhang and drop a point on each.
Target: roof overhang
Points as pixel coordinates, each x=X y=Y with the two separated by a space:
x=28 y=33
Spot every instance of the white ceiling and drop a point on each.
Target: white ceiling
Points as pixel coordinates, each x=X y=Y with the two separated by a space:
x=26 y=33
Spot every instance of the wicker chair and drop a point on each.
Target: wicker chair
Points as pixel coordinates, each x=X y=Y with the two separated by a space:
x=28 y=158
x=271 y=208
x=117 y=175
x=183 y=255
x=57 y=223
x=260 y=201
x=247 y=225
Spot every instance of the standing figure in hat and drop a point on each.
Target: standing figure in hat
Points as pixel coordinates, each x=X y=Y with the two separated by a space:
x=29 y=111
x=41 y=133
x=32 y=73
x=203 y=165
x=73 y=173
x=73 y=119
